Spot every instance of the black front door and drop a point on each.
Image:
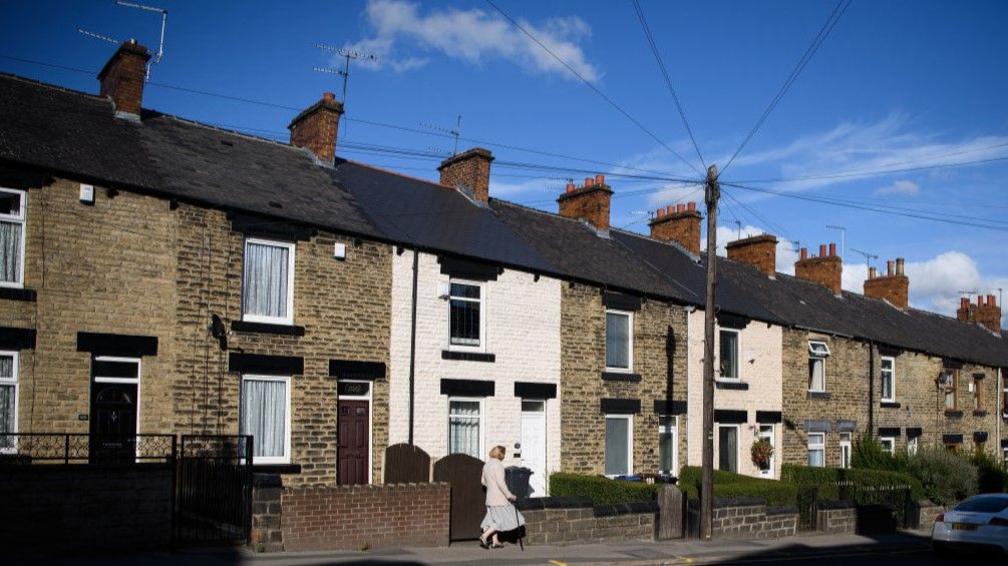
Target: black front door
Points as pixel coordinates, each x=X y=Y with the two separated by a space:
x=113 y=422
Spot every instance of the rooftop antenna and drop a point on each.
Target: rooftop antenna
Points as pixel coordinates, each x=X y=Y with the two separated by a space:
x=98 y=36
x=868 y=256
x=455 y=133
x=347 y=54
x=843 y=238
x=738 y=224
x=164 y=24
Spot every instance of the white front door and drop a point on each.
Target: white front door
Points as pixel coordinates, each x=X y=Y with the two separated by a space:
x=533 y=444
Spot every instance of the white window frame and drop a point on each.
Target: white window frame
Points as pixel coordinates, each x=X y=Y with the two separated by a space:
x=738 y=445
x=672 y=429
x=368 y=398
x=913 y=443
x=820 y=445
x=845 y=450
x=134 y=380
x=820 y=354
x=286 y=379
x=8 y=381
x=481 y=347
x=762 y=434
x=738 y=354
x=630 y=421
x=891 y=441
x=482 y=429
x=630 y=341
x=21 y=218
x=892 y=377
x=291 y=252
x=1004 y=456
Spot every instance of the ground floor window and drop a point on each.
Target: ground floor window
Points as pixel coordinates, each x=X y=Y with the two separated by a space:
x=265 y=414
x=618 y=445
x=464 y=428
x=668 y=445
x=766 y=433
x=845 y=449
x=1004 y=456
x=8 y=398
x=912 y=444
x=888 y=445
x=728 y=448
x=817 y=449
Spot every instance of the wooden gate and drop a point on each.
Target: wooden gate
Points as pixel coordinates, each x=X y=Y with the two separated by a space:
x=406 y=463
x=468 y=502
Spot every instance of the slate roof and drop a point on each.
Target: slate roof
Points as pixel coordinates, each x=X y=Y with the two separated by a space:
x=76 y=134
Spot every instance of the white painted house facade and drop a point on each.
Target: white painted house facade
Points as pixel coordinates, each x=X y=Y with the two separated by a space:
x=486 y=369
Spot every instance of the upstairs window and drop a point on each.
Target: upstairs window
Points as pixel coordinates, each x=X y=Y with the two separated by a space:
x=888 y=379
x=818 y=352
x=465 y=301
x=947 y=381
x=619 y=340
x=729 y=354
x=979 y=399
x=12 y=237
x=268 y=282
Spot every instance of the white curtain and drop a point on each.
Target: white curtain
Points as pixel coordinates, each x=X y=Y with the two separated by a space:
x=7 y=401
x=815 y=457
x=265 y=282
x=817 y=367
x=264 y=416
x=617 y=440
x=617 y=340
x=10 y=251
x=463 y=428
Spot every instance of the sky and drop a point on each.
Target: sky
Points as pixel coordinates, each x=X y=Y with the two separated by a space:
x=894 y=86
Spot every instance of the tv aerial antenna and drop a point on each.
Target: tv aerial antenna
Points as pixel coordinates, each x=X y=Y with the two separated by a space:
x=156 y=58
x=867 y=255
x=347 y=55
x=738 y=225
x=453 y=132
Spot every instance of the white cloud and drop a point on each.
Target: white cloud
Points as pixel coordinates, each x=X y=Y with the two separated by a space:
x=472 y=36
x=899 y=188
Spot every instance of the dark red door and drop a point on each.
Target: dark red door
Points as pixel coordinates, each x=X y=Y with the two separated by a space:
x=352 y=451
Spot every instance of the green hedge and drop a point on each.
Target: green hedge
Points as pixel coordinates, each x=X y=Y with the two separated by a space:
x=728 y=485
x=601 y=490
x=863 y=481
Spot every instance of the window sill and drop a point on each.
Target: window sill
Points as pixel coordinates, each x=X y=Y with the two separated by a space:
x=468 y=356
x=731 y=384
x=979 y=413
x=953 y=414
x=267 y=328
x=890 y=405
x=818 y=395
x=620 y=376
x=276 y=468
x=18 y=294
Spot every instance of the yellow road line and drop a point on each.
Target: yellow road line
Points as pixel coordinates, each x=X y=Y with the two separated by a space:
x=557 y=563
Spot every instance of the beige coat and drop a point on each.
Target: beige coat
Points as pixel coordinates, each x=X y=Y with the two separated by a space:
x=496 y=489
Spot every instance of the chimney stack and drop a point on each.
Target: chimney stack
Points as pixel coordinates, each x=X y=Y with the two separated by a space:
x=589 y=202
x=469 y=171
x=315 y=128
x=986 y=313
x=123 y=76
x=680 y=224
x=893 y=287
x=826 y=269
x=758 y=251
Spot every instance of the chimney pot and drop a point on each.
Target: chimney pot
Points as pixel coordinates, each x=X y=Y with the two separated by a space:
x=980 y=300
x=900 y=266
x=328 y=96
x=964 y=303
x=680 y=207
x=803 y=254
x=591 y=204
x=669 y=209
x=871 y=273
x=826 y=269
x=890 y=268
x=990 y=301
x=570 y=187
x=469 y=170
x=123 y=76
x=589 y=182
x=832 y=249
x=822 y=250
x=691 y=206
x=600 y=179
x=678 y=225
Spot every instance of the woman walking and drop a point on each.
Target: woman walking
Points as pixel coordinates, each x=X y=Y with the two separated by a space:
x=501 y=515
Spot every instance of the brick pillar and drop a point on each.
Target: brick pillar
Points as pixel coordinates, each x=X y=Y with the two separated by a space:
x=589 y=202
x=758 y=251
x=894 y=286
x=826 y=269
x=267 y=513
x=315 y=128
x=123 y=76
x=679 y=224
x=469 y=170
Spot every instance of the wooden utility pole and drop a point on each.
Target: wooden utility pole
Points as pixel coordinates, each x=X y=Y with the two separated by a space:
x=711 y=196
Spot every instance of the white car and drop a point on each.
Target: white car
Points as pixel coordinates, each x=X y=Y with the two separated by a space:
x=980 y=522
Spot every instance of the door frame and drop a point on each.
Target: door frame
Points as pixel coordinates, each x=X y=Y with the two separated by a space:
x=674 y=431
x=369 y=398
x=738 y=441
x=770 y=471
x=124 y=380
x=545 y=431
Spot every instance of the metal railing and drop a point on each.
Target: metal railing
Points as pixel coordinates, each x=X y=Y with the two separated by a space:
x=23 y=448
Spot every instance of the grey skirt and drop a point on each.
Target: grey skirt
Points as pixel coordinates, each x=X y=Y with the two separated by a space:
x=502 y=518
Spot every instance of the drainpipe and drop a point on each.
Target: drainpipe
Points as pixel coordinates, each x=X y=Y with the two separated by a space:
x=1000 y=408
x=412 y=354
x=871 y=388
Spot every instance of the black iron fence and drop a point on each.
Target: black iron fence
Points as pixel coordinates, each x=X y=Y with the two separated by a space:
x=880 y=508
x=214 y=489
x=81 y=448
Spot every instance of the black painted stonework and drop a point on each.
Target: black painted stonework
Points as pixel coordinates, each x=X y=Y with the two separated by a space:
x=529 y=390
x=266 y=328
x=620 y=376
x=467 y=388
x=17 y=338
x=620 y=406
x=260 y=363
x=27 y=295
x=348 y=369
x=468 y=356
x=116 y=344
x=733 y=385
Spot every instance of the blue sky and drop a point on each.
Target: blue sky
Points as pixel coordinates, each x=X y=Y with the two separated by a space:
x=897 y=82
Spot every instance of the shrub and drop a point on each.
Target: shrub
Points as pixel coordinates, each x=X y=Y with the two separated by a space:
x=859 y=485
x=868 y=454
x=946 y=477
x=991 y=477
x=601 y=490
x=729 y=485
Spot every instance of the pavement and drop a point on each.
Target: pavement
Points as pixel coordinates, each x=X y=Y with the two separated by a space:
x=908 y=547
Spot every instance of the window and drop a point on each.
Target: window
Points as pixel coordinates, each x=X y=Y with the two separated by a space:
x=8 y=399
x=912 y=445
x=618 y=445
x=947 y=381
x=265 y=414
x=464 y=428
x=1004 y=398
x=729 y=354
x=888 y=379
x=888 y=445
x=845 y=450
x=1004 y=456
x=979 y=402
x=268 y=282
x=465 y=317
x=728 y=448
x=619 y=340
x=766 y=432
x=818 y=351
x=668 y=445
x=817 y=449
x=12 y=237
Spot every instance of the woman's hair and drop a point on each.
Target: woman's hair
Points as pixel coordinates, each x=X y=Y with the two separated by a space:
x=498 y=452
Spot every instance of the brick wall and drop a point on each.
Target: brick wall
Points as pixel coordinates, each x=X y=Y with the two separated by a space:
x=564 y=520
x=733 y=519
x=359 y=517
x=583 y=361
x=71 y=508
x=836 y=517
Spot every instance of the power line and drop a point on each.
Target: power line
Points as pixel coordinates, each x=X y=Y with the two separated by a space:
x=867 y=173
x=824 y=31
x=668 y=80
x=760 y=219
x=592 y=86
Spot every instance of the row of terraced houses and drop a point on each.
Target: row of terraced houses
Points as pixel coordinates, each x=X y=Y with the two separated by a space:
x=159 y=275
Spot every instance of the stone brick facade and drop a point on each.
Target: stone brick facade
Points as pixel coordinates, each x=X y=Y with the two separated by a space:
x=751 y=520
x=563 y=523
x=659 y=358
